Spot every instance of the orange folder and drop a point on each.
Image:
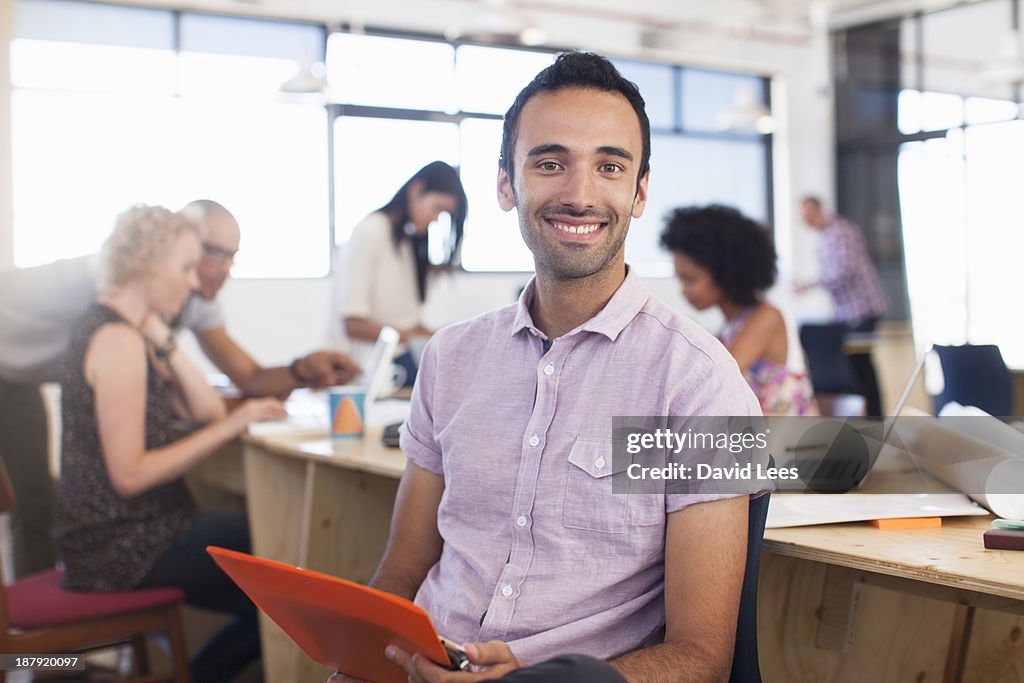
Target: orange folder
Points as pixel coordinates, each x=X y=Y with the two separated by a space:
x=340 y=624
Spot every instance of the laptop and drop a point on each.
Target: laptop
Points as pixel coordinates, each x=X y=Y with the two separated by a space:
x=377 y=373
x=832 y=454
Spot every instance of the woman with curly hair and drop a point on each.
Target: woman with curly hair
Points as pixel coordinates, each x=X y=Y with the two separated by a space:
x=724 y=259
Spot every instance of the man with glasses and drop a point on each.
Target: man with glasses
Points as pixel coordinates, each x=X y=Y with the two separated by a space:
x=38 y=309
x=204 y=315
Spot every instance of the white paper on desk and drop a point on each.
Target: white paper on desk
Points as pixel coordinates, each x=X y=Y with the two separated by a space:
x=307 y=414
x=388 y=411
x=803 y=509
x=291 y=425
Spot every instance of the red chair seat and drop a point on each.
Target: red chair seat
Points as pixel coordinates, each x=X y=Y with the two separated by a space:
x=40 y=600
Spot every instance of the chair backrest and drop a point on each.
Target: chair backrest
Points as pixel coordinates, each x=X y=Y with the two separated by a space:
x=975 y=376
x=745 y=665
x=6 y=505
x=829 y=367
x=6 y=490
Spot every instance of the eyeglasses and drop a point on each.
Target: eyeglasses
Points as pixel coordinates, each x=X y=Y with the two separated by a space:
x=218 y=254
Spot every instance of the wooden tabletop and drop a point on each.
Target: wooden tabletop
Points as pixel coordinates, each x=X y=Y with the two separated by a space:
x=366 y=454
x=953 y=555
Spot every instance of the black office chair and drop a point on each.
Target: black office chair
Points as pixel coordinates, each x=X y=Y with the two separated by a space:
x=975 y=376
x=745 y=665
x=830 y=369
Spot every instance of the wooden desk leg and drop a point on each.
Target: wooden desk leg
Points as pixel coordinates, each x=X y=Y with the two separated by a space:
x=317 y=516
x=959 y=644
x=349 y=521
x=837 y=614
x=275 y=493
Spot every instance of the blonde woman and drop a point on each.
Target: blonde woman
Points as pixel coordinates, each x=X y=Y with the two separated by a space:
x=125 y=518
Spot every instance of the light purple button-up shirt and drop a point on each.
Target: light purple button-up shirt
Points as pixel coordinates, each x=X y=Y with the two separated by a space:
x=538 y=551
x=848 y=274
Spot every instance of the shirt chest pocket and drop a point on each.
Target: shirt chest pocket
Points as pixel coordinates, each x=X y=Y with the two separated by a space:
x=590 y=503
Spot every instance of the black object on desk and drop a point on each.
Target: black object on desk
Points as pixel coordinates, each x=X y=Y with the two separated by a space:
x=1004 y=539
x=390 y=436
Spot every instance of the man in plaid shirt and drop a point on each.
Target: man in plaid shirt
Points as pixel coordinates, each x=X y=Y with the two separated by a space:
x=850 y=278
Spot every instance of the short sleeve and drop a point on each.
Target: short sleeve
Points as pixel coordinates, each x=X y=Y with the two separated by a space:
x=201 y=315
x=723 y=393
x=417 y=433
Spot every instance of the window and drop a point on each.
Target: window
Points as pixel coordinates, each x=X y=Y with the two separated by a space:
x=116 y=105
x=373 y=157
x=959 y=141
x=109 y=112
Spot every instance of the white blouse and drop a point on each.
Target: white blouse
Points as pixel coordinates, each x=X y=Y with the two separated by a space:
x=376 y=280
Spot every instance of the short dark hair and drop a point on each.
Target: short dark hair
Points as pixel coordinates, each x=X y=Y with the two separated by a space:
x=737 y=251
x=437 y=176
x=576 y=70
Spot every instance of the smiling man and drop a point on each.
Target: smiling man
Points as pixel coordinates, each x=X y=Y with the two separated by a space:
x=506 y=529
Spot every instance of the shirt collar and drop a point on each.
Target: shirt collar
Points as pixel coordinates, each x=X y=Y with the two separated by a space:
x=627 y=301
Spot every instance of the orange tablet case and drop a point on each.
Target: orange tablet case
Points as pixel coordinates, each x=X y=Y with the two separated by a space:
x=340 y=624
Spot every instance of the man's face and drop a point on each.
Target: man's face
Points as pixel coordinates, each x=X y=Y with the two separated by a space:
x=811 y=214
x=219 y=249
x=576 y=160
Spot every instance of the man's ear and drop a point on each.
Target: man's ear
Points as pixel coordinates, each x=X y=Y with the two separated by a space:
x=640 y=200
x=506 y=195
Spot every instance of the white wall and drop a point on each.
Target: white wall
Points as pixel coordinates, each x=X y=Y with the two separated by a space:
x=279 y=319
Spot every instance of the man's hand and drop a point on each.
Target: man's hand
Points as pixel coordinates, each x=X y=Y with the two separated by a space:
x=490 y=661
x=326 y=368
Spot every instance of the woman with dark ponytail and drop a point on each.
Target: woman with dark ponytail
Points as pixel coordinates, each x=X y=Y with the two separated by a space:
x=386 y=271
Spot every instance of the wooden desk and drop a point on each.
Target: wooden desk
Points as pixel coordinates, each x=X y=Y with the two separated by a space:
x=848 y=602
x=837 y=603
x=323 y=504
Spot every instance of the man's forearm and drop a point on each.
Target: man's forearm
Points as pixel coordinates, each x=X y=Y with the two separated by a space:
x=672 y=662
x=277 y=382
x=401 y=586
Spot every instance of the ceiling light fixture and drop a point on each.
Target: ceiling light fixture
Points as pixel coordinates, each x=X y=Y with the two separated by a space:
x=746 y=113
x=308 y=79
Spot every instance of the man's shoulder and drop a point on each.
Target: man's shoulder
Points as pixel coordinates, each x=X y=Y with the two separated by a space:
x=687 y=356
x=667 y=328
x=55 y=290
x=200 y=314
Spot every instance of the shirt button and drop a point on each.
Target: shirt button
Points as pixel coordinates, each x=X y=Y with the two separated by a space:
x=506 y=591
x=521 y=520
x=599 y=463
x=534 y=440
x=549 y=369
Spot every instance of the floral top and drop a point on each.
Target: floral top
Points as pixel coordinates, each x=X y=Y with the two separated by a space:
x=779 y=390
